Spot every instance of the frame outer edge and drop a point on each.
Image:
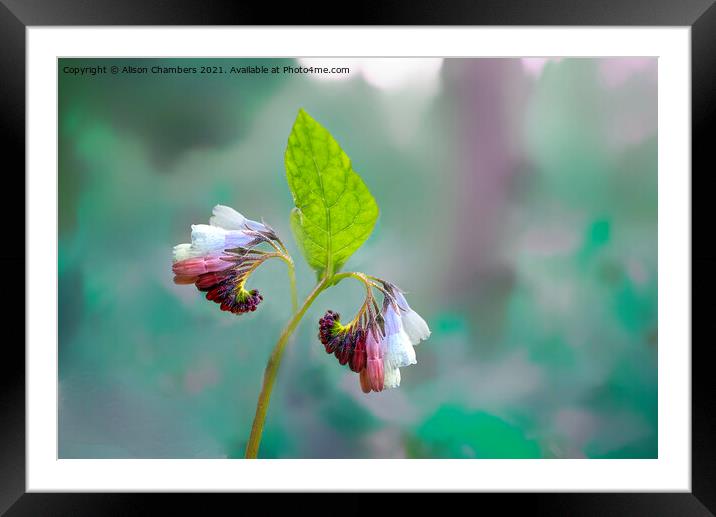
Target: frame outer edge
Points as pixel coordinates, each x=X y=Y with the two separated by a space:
x=12 y=259
x=703 y=127
x=12 y=102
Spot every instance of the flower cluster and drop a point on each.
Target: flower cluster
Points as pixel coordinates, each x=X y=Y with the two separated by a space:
x=221 y=257
x=376 y=344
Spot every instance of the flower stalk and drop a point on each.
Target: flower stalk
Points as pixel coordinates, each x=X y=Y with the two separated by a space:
x=292 y=282
x=252 y=447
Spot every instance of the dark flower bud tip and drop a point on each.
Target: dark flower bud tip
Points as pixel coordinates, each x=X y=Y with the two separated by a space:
x=328 y=326
x=347 y=343
x=247 y=301
x=241 y=303
x=344 y=350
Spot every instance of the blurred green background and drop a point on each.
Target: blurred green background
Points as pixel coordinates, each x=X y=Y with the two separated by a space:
x=518 y=206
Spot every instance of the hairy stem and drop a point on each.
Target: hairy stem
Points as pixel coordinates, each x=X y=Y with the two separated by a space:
x=252 y=447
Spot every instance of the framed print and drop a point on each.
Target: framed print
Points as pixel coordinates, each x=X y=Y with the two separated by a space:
x=415 y=259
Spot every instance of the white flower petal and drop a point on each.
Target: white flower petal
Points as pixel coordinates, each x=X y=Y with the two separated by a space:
x=391 y=378
x=227 y=218
x=207 y=239
x=236 y=238
x=399 y=350
x=393 y=324
x=183 y=252
x=402 y=302
x=415 y=326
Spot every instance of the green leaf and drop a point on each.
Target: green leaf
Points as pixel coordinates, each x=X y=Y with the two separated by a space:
x=335 y=212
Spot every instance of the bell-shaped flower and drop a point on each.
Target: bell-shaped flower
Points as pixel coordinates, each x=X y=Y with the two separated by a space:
x=392 y=378
x=413 y=324
x=229 y=219
x=399 y=351
x=206 y=238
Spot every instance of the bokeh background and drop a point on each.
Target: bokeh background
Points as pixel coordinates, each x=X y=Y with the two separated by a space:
x=518 y=206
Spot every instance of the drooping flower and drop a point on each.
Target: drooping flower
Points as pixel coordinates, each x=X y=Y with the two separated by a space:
x=227 y=229
x=399 y=351
x=229 y=219
x=221 y=257
x=404 y=328
x=413 y=324
x=392 y=378
x=376 y=345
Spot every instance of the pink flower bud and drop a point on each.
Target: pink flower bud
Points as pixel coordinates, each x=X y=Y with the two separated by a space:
x=358 y=359
x=374 y=368
x=373 y=348
x=374 y=363
x=185 y=280
x=364 y=381
x=200 y=265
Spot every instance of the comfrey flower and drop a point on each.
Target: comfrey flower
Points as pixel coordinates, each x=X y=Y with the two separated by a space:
x=413 y=324
x=222 y=256
x=399 y=348
x=376 y=345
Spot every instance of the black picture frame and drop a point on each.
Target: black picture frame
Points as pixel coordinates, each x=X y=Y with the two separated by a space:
x=17 y=15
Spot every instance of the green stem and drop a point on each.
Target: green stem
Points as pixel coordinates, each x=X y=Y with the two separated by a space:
x=252 y=447
x=291 y=272
x=349 y=274
x=292 y=281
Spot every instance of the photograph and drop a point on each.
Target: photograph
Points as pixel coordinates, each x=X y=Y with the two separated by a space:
x=375 y=258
